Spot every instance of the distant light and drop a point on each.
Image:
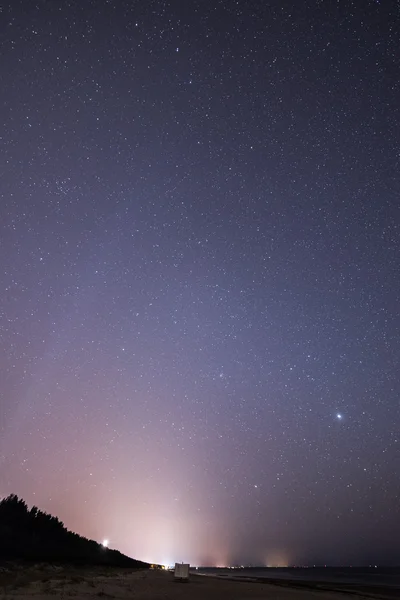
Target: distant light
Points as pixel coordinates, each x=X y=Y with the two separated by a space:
x=339 y=416
x=105 y=543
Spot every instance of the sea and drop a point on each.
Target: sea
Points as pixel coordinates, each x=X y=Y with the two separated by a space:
x=371 y=577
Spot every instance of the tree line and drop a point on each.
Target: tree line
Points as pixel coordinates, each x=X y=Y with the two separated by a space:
x=34 y=535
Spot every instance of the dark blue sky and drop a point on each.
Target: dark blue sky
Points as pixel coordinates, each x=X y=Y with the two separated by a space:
x=199 y=250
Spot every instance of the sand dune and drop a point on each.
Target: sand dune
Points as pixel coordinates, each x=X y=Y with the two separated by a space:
x=47 y=582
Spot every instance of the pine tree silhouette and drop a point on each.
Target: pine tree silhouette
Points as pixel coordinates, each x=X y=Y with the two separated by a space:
x=36 y=535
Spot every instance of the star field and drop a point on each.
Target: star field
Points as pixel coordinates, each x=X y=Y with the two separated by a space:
x=199 y=250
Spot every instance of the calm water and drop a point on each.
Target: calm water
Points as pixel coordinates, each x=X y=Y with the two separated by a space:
x=382 y=577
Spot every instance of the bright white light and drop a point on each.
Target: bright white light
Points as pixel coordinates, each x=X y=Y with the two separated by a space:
x=105 y=543
x=339 y=416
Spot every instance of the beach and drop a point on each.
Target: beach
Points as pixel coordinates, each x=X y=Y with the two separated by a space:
x=48 y=582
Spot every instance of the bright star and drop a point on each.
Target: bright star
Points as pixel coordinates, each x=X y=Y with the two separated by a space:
x=105 y=543
x=339 y=416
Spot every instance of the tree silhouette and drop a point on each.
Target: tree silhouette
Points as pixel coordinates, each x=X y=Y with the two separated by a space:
x=36 y=535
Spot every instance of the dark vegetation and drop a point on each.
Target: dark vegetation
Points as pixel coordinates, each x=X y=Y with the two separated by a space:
x=33 y=535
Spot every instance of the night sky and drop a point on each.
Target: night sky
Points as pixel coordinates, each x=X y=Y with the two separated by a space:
x=199 y=271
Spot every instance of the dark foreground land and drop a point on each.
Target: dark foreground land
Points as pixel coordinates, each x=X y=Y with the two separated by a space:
x=42 y=582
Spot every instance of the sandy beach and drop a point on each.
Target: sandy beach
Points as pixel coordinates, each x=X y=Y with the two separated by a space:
x=49 y=582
